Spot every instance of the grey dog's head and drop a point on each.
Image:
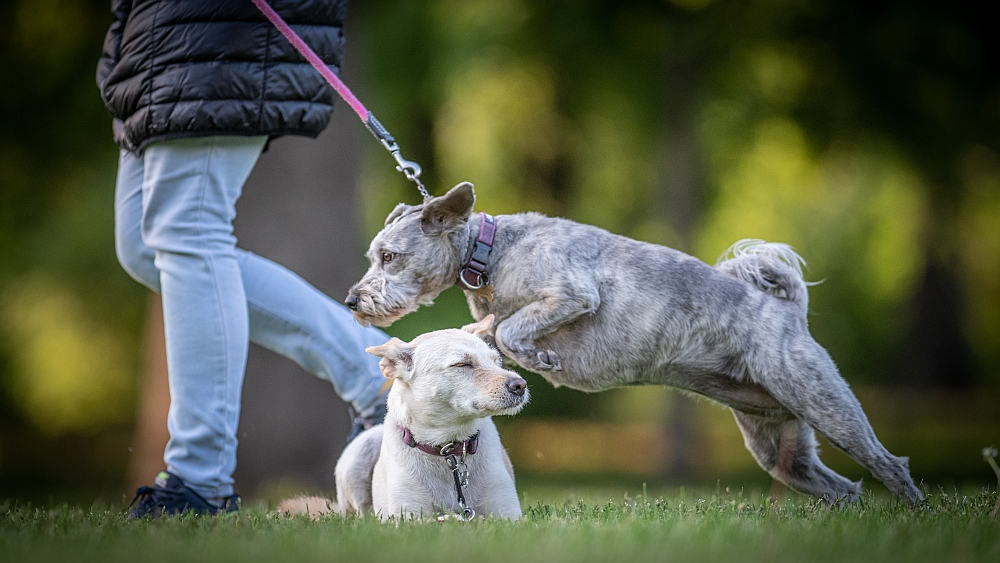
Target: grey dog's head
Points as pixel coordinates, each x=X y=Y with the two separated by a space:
x=415 y=257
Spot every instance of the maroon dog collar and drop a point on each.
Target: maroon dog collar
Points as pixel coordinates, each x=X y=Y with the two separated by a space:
x=468 y=446
x=473 y=275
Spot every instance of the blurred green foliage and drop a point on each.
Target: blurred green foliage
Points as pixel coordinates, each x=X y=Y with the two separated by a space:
x=864 y=134
x=70 y=318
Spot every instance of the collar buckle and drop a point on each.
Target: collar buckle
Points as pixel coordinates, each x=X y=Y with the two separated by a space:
x=473 y=275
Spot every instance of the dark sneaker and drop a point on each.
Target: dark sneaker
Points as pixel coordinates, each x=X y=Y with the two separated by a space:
x=169 y=495
x=371 y=417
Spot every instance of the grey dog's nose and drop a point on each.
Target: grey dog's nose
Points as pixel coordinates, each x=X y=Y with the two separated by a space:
x=352 y=301
x=517 y=385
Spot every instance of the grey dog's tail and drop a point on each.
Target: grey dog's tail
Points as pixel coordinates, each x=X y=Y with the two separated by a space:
x=772 y=266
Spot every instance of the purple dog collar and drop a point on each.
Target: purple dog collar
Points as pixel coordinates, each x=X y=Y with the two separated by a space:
x=466 y=447
x=473 y=275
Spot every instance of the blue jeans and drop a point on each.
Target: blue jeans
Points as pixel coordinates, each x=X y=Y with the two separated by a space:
x=174 y=208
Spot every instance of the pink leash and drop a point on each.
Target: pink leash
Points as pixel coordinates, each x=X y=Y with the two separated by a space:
x=409 y=168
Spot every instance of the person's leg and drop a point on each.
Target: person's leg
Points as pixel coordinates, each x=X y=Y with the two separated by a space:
x=291 y=317
x=189 y=193
x=287 y=314
x=134 y=256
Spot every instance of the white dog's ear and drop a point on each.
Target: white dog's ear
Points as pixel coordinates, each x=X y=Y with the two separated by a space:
x=481 y=327
x=397 y=359
x=448 y=212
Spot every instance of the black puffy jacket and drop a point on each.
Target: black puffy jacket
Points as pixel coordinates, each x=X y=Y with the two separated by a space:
x=185 y=68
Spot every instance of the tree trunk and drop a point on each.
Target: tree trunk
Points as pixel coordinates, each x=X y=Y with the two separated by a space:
x=680 y=199
x=150 y=435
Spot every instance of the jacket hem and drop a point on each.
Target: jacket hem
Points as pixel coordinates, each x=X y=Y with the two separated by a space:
x=191 y=134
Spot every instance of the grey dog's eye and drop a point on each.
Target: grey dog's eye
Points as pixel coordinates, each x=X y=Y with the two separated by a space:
x=462 y=365
x=386 y=257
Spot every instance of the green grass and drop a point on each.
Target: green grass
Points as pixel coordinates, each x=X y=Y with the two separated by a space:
x=707 y=526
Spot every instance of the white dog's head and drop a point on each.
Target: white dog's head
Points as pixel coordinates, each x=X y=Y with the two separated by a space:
x=449 y=378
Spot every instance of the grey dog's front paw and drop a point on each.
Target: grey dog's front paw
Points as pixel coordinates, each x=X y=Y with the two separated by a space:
x=548 y=360
x=527 y=356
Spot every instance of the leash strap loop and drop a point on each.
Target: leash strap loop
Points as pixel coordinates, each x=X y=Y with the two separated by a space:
x=377 y=129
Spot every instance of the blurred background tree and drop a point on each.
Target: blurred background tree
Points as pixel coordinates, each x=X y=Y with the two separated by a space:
x=865 y=134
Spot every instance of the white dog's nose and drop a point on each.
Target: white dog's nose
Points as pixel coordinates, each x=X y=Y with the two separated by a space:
x=352 y=301
x=517 y=385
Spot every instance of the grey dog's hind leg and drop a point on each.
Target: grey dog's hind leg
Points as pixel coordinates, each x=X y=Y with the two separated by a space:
x=811 y=387
x=785 y=447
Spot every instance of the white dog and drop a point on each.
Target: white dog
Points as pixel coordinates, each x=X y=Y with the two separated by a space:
x=438 y=450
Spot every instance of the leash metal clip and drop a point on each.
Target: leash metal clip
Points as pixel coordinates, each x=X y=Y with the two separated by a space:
x=461 y=475
x=409 y=168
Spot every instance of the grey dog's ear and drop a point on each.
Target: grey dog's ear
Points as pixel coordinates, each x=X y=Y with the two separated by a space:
x=481 y=327
x=397 y=359
x=396 y=212
x=448 y=212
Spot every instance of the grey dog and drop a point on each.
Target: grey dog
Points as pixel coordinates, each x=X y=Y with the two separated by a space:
x=592 y=310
